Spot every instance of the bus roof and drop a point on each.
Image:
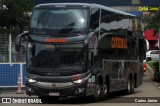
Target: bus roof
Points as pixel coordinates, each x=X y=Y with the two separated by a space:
x=113 y=10
x=122 y=13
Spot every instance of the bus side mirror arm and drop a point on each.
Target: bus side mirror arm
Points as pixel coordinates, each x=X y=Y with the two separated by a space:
x=86 y=42
x=18 y=40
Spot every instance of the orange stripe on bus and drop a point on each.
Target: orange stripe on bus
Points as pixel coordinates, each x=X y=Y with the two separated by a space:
x=56 y=40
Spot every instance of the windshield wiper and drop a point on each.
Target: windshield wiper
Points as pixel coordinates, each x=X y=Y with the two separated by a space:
x=38 y=31
x=67 y=29
x=77 y=32
x=71 y=25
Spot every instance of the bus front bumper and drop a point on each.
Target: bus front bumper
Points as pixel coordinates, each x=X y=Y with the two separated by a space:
x=60 y=89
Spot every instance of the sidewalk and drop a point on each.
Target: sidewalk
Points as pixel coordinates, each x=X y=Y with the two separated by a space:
x=13 y=93
x=10 y=90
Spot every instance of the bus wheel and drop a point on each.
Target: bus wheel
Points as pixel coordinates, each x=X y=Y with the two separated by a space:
x=98 y=89
x=133 y=86
x=129 y=87
x=105 y=89
x=96 y=96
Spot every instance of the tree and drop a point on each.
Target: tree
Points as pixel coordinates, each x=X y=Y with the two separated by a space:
x=14 y=15
x=152 y=21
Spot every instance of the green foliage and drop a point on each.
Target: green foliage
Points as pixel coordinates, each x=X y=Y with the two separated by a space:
x=152 y=21
x=151 y=63
x=14 y=17
x=154 y=65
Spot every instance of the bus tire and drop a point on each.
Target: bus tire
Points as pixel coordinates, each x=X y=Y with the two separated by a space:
x=133 y=86
x=98 y=89
x=105 y=89
x=130 y=87
x=97 y=95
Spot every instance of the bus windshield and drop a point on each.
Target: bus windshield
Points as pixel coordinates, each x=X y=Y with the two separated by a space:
x=59 y=60
x=59 y=20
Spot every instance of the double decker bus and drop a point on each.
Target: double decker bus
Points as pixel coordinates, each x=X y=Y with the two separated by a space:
x=82 y=49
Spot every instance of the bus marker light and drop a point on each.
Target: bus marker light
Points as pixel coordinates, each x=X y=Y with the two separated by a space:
x=144 y=67
x=56 y=40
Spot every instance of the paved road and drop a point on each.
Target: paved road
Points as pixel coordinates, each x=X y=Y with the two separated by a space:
x=149 y=90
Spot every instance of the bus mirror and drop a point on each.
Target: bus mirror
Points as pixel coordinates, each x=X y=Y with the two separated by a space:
x=18 y=40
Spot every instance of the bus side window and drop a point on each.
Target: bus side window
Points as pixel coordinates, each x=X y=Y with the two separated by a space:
x=33 y=50
x=109 y=21
x=104 y=21
x=94 y=20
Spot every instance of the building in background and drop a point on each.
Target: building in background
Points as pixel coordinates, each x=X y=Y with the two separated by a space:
x=152 y=39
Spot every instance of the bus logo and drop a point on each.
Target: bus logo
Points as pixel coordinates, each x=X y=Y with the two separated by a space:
x=53 y=85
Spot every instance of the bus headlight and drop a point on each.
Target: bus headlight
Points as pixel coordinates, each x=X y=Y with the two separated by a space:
x=31 y=80
x=82 y=80
x=79 y=81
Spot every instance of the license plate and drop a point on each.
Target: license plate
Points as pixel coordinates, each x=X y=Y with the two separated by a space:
x=54 y=94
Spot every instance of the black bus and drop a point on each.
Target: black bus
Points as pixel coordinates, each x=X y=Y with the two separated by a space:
x=81 y=49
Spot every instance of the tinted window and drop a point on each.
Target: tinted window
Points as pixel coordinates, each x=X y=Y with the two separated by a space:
x=154 y=52
x=113 y=22
x=94 y=22
x=59 y=18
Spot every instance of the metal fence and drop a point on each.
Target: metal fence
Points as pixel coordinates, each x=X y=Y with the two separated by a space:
x=11 y=62
x=7 y=50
